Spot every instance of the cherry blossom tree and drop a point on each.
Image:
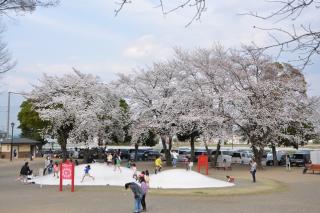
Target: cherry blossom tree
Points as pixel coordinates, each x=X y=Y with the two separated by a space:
x=79 y=106
x=199 y=106
x=150 y=94
x=265 y=97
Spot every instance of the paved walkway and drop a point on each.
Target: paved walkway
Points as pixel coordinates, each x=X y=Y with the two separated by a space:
x=302 y=195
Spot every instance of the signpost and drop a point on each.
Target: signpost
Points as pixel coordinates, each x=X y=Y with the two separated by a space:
x=67 y=173
x=203 y=161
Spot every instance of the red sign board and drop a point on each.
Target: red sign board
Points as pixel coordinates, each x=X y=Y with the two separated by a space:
x=67 y=173
x=203 y=161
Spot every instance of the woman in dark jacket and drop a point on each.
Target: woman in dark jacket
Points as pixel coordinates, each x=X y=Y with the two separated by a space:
x=24 y=172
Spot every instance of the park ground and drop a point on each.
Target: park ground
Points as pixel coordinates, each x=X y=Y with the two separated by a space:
x=276 y=190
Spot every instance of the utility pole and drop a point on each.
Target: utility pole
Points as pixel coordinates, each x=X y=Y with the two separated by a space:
x=8 y=116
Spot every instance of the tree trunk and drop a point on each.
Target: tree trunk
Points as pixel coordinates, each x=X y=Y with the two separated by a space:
x=193 y=157
x=170 y=144
x=86 y=155
x=62 y=140
x=258 y=153
x=208 y=153
x=63 y=133
x=215 y=158
x=166 y=151
x=274 y=155
x=63 y=144
x=136 y=147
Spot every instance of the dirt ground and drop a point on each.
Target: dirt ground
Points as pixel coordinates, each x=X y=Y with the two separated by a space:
x=276 y=190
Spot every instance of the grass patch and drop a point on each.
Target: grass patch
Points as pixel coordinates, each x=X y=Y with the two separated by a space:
x=263 y=186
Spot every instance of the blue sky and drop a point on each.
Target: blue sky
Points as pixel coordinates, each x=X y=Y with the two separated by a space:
x=88 y=37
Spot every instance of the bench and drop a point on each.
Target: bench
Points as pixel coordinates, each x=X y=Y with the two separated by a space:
x=314 y=167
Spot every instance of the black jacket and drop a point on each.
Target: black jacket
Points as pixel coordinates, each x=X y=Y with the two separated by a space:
x=25 y=170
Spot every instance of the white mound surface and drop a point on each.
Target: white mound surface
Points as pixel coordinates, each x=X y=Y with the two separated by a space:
x=182 y=179
x=105 y=175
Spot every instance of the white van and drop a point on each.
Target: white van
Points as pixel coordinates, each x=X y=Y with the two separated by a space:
x=241 y=157
x=224 y=159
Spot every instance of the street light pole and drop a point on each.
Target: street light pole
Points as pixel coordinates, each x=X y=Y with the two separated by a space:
x=12 y=125
x=8 y=116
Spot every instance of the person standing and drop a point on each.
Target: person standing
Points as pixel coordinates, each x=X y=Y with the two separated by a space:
x=144 y=187
x=147 y=178
x=253 y=169
x=174 y=155
x=117 y=163
x=138 y=193
x=15 y=153
x=288 y=166
x=46 y=164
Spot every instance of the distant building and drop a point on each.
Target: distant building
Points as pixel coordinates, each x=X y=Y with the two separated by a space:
x=3 y=135
x=52 y=144
x=21 y=148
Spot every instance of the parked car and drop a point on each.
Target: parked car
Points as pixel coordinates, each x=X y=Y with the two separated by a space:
x=222 y=152
x=184 y=155
x=241 y=157
x=236 y=157
x=199 y=152
x=142 y=154
x=224 y=161
x=151 y=154
x=46 y=153
x=281 y=157
x=124 y=154
x=300 y=158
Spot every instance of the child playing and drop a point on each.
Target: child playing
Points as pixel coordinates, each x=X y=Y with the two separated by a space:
x=189 y=164
x=158 y=165
x=56 y=169
x=50 y=167
x=134 y=169
x=109 y=159
x=146 y=177
x=129 y=164
x=86 y=173
x=117 y=163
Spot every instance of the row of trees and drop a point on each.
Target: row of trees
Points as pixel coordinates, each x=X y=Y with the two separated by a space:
x=214 y=93
x=211 y=93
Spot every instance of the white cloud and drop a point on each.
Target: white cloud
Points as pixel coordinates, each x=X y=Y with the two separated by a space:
x=16 y=83
x=147 y=49
x=22 y=80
